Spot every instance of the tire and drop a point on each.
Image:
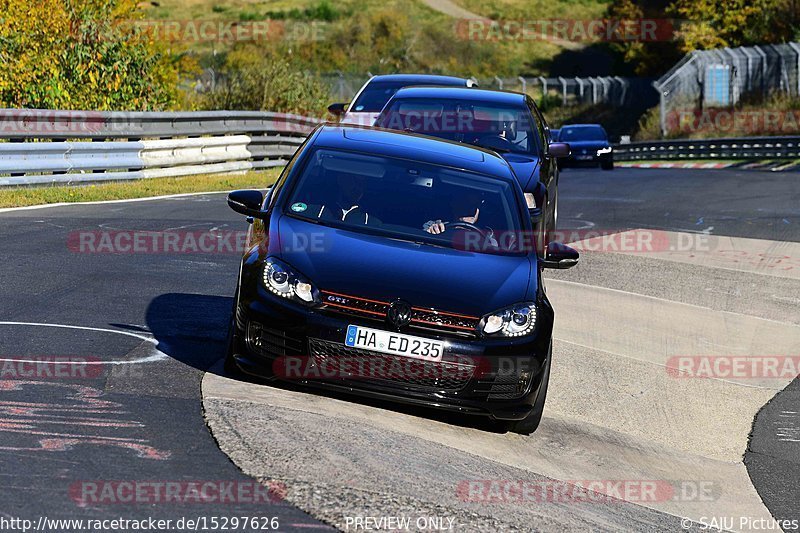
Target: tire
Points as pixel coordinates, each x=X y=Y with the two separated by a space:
x=230 y=366
x=607 y=165
x=541 y=236
x=530 y=423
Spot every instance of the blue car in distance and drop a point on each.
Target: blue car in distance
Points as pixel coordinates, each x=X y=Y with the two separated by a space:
x=589 y=146
x=397 y=267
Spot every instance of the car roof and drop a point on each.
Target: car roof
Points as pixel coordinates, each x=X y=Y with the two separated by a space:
x=421 y=78
x=425 y=149
x=581 y=126
x=462 y=93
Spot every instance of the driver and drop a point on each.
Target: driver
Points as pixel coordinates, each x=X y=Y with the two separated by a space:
x=464 y=208
x=501 y=135
x=347 y=205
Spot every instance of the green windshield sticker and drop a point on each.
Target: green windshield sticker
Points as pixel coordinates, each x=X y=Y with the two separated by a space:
x=299 y=207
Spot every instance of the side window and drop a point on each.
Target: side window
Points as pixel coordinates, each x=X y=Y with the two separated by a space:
x=281 y=181
x=539 y=125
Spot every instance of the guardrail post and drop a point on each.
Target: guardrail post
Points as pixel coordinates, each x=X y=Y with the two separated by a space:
x=544 y=87
x=563 y=91
x=662 y=108
x=624 y=92
x=524 y=84
x=499 y=83
x=594 y=82
x=796 y=49
x=763 y=55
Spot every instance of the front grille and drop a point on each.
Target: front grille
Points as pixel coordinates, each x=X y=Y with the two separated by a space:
x=430 y=319
x=271 y=342
x=340 y=362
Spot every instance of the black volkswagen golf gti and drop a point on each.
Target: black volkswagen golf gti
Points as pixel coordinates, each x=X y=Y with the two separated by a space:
x=398 y=267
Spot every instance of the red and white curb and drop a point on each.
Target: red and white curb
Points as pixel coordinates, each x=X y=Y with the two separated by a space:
x=632 y=164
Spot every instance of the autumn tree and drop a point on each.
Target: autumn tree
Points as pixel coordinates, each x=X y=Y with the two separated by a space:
x=81 y=54
x=720 y=23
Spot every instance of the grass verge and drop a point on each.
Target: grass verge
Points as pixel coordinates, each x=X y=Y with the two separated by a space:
x=123 y=190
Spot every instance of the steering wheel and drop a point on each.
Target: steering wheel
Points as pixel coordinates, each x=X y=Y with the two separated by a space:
x=496 y=141
x=465 y=226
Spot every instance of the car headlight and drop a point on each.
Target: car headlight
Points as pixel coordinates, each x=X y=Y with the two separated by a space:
x=606 y=150
x=514 y=321
x=281 y=279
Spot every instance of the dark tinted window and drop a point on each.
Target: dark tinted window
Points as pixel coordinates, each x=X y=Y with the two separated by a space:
x=375 y=95
x=401 y=198
x=582 y=133
x=498 y=127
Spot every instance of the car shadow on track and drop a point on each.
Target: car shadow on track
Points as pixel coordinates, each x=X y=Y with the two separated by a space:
x=192 y=329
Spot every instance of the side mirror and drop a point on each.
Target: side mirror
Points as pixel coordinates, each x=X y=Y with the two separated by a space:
x=560 y=256
x=337 y=109
x=247 y=202
x=558 y=150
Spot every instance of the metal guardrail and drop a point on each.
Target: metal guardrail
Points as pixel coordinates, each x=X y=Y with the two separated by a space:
x=733 y=148
x=45 y=146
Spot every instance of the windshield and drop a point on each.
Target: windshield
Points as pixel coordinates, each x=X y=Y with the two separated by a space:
x=497 y=127
x=582 y=134
x=375 y=95
x=408 y=200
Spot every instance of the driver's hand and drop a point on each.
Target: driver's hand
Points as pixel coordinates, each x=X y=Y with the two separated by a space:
x=436 y=228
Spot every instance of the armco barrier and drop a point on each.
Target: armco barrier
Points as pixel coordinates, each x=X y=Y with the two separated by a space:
x=51 y=146
x=734 y=148
x=47 y=146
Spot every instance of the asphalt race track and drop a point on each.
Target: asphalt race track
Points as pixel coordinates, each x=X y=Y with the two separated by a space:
x=152 y=403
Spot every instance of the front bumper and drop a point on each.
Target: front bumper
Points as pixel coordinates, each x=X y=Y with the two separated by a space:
x=499 y=378
x=578 y=160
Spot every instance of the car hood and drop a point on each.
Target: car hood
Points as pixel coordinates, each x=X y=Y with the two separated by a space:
x=385 y=269
x=525 y=167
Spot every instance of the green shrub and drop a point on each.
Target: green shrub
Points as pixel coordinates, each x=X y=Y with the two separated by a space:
x=81 y=54
x=251 y=80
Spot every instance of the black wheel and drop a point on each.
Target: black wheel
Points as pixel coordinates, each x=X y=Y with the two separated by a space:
x=544 y=232
x=530 y=423
x=607 y=165
x=230 y=366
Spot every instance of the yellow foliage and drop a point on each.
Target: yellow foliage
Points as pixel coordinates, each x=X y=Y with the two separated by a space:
x=81 y=54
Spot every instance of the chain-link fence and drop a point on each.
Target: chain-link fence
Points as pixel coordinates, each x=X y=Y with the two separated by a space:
x=725 y=77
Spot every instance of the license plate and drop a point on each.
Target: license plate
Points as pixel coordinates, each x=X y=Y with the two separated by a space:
x=394 y=343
